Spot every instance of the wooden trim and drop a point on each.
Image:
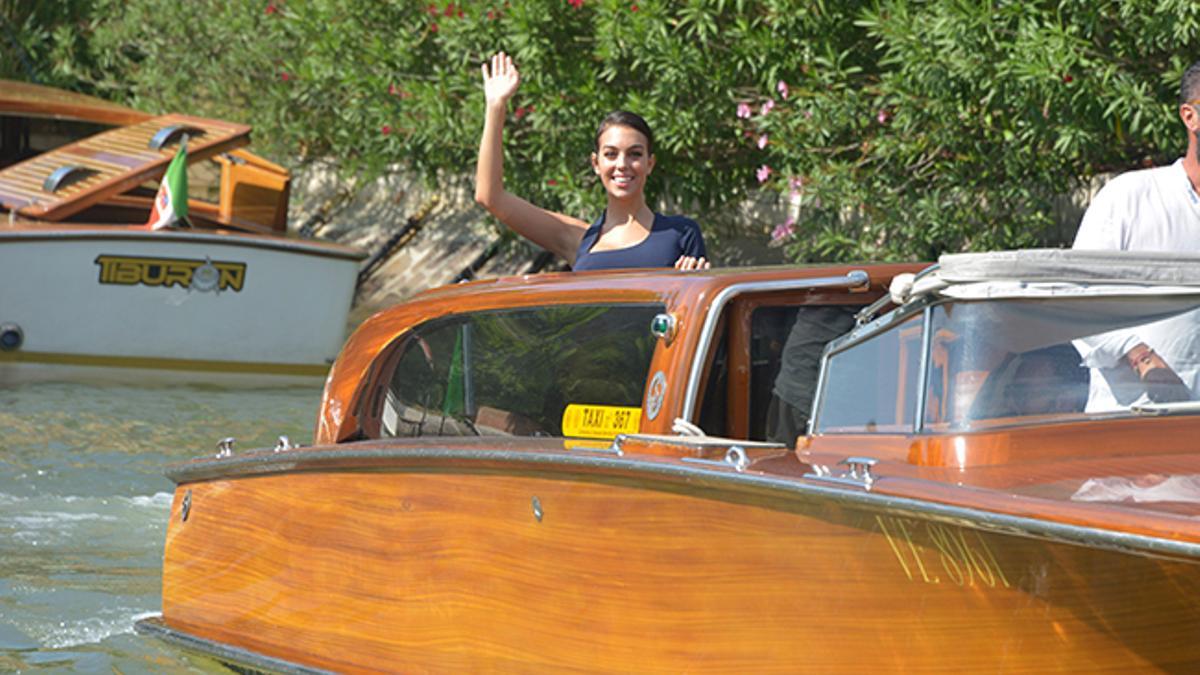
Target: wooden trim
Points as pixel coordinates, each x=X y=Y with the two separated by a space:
x=156 y=363
x=32 y=100
x=43 y=232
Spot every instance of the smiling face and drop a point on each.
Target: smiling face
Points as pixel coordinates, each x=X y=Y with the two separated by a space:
x=623 y=161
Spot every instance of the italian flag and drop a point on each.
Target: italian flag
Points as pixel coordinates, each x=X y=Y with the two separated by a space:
x=170 y=204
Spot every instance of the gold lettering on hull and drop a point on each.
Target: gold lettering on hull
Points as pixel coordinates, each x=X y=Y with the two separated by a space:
x=200 y=275
x=930 y=552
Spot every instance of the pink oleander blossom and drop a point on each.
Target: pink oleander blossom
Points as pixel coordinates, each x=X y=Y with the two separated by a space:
x=575 y=3
x=783 y=230
x=762 y=141
x=763 y=173
x=386 y=129
x=766 y=107
x=743 y=111
x=782 y=88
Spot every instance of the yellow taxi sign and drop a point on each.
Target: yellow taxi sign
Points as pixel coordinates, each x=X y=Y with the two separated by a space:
x=600 y=421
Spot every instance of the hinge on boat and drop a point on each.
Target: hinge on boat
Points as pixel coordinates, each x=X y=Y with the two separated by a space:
x=858 y=473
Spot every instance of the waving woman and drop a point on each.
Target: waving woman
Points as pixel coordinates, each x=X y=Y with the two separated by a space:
x=627 y=233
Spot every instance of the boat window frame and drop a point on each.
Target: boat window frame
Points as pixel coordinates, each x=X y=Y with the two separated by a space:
x=851 y=280
x=369 y=417
x=890 y=321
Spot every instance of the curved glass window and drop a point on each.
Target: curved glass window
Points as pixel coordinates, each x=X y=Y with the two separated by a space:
x=1008 y=361
x=514 y=372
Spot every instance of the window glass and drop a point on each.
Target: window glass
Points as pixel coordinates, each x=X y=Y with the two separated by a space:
x=786 y=344
x=996 y=361
x=513 y=372
x=871 y=386
x=714 y=405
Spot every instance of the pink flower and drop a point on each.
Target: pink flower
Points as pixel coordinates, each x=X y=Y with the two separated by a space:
x=633 y=7
x=783 y=230
x=271 y=8
x=795 y=185
x=766 y=107
x=763 y=173
x=743 y=111
x=492 y=13
x=284 y=75
x=386 y=129
x=449 y=11
x=433 y=10
x=782 y=88
x=884 y=116
x=433 y=28
x=551 y=182
x=575 y=3
x=762 y=141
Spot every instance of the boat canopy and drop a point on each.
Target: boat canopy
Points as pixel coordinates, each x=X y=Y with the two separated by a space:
x=1042 y=273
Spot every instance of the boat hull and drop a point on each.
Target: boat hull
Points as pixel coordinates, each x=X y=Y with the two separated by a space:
x=435 y=562
x=172 y=301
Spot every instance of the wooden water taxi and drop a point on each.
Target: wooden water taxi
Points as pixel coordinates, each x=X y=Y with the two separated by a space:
x=86 y=289
x=602 y=472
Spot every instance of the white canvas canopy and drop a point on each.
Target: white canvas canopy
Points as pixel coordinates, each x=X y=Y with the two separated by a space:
x=1045 y=273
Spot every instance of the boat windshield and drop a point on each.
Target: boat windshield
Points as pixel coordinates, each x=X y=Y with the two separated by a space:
x=997 y=362
x=516 y=371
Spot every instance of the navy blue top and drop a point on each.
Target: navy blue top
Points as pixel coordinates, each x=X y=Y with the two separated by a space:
x=669 y=238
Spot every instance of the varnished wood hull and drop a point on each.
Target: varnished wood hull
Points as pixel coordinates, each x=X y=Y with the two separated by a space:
x=436 y=561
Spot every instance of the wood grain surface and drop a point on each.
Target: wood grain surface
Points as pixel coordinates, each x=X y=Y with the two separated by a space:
x=452 y=570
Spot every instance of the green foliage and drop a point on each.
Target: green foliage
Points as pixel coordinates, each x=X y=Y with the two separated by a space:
x=907 y=128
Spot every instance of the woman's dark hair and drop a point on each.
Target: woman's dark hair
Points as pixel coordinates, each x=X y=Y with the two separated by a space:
x=624 y=118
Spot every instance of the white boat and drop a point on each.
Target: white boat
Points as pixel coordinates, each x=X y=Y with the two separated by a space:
x=86 y=290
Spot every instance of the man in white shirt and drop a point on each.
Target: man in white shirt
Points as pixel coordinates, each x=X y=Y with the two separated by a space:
x=1149 y=210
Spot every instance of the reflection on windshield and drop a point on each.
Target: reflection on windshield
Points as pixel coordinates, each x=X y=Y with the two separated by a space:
x=1058 y=358
x=1000 y=361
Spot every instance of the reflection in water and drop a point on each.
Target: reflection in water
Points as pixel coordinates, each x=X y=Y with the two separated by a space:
x=83 y=509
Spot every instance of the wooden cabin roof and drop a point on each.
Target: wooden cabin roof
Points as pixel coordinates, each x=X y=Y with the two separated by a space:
x=108 y=164
x=23 y=98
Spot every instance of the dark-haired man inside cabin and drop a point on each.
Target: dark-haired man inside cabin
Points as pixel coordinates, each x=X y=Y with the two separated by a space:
x=1154 y=209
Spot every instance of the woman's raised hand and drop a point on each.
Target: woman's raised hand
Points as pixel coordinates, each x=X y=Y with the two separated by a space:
x=501 y=82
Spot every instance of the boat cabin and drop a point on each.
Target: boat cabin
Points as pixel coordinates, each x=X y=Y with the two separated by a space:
x=724 y=353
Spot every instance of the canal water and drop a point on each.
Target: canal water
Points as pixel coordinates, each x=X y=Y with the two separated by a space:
x=83 y=511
